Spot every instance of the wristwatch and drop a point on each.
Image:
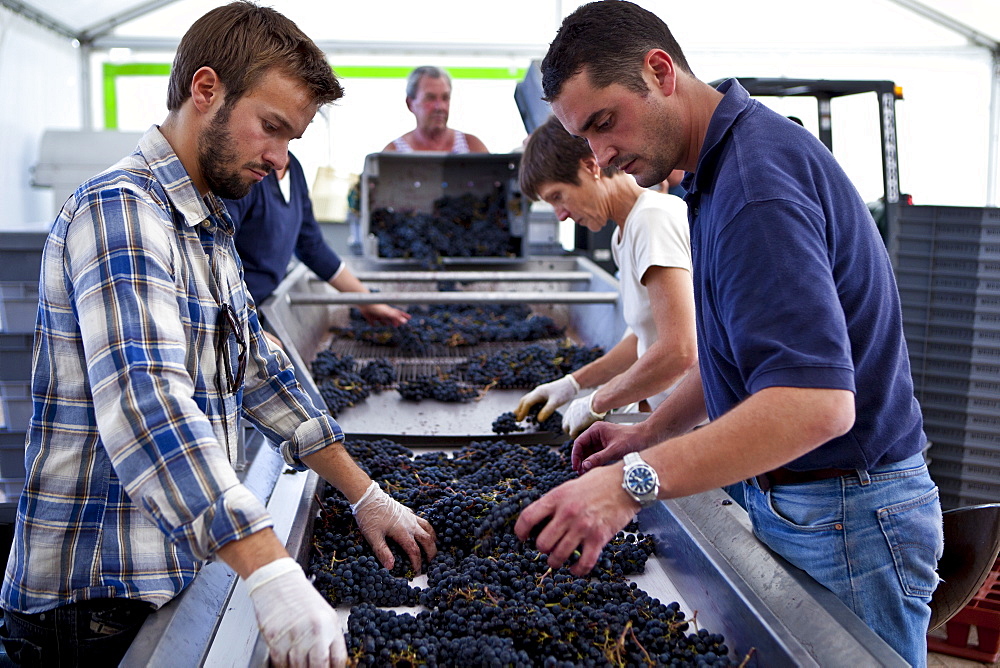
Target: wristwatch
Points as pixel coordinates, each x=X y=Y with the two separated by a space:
x=640 y=480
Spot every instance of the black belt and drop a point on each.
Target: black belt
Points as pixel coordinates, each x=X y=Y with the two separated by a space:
x=785 y=476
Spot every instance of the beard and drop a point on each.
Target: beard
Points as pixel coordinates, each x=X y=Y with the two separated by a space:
x=216 y=154
x=663 y=133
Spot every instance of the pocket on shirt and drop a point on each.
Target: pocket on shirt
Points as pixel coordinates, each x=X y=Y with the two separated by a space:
x=915 y=534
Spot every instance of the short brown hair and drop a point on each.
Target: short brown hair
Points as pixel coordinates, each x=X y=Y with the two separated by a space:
x=609 y=39
x=240 y=42
x=553 y=155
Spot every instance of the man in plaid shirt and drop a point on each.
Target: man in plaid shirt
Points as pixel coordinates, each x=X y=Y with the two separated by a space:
x=148 y=351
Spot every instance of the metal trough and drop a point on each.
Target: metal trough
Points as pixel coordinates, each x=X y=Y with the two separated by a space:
x=708 y=560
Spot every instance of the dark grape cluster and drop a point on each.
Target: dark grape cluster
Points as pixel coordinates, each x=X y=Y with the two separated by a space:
x=329 y=363
x=524 y=368
x=506 y=423
x=491 y=599
x=341 y=386
x=452 y=326
x=528 y=366
x=379 y=373
x=463 y=226
x=441 y=387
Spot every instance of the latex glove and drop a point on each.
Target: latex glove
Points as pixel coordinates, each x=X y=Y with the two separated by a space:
x=379 y=515
x=554 y=394
x=580 y=415
x=299 y=626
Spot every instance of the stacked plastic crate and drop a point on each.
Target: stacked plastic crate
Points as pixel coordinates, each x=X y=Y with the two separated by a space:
x=20 y=262
x=948 y=271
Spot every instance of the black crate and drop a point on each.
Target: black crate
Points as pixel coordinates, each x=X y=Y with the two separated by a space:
x=973 y=318
x=18 y=306
x=12 y=454
x=15 y=351
x=926 y=280
x=967 y=492
x=21 y=254
x=15 y=404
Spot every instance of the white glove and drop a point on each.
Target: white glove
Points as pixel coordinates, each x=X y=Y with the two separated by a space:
x=299 y=626
x=379 y=515
x=581 y=415
x=554 y=394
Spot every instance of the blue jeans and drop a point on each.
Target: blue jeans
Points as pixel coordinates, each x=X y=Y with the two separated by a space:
x=873 y=539
x=88 y=633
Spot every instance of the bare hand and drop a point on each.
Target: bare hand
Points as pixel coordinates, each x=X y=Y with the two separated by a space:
x=587 y=512
x=384 y=314
x=605 y=442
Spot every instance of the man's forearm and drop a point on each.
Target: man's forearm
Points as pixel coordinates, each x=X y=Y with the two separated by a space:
x=767 y=430
x=681 y=412
x=335 y=465
x=248 y=554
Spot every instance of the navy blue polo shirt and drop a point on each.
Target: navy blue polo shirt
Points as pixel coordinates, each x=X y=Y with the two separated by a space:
x=793 y=284
x=269 y=230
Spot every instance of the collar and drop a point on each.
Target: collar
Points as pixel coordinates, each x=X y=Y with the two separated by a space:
x=736 y=100
x=170 y=172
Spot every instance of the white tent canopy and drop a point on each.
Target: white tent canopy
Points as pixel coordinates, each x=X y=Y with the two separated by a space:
x=55 y=55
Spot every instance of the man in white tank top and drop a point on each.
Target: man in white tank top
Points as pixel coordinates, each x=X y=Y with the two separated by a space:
x=428 y=97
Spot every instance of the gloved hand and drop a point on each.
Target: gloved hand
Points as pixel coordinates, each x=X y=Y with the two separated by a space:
x=379 y=515
x=580 y=415
x=554 y=394
x=299 y=626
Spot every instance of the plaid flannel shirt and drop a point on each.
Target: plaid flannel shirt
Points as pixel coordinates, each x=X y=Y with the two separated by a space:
x=130 y=484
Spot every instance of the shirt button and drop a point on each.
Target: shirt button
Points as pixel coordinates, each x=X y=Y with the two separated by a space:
x=206 y=224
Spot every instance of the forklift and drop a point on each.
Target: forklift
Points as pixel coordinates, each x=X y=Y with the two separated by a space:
x=886 y=210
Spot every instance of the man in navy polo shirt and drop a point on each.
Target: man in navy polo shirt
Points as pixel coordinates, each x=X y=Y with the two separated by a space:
x=803 y=370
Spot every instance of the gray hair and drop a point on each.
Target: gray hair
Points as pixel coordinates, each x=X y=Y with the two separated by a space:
x=413 y=81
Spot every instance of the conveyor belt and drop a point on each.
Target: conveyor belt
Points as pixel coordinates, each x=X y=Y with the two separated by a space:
x=709 y=559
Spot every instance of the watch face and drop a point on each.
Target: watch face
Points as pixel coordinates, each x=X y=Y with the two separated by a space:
x=640 y=480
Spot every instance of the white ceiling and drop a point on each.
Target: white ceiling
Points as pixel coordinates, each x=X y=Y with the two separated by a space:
x=533 y=22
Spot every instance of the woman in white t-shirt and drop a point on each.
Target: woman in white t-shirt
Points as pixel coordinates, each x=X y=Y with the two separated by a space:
x=652 y=249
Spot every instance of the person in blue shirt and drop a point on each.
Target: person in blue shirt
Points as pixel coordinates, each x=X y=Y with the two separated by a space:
x=273 y=222
x=147 y=354
x=802 y=365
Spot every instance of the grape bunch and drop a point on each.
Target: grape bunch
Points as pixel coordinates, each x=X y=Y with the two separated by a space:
x=528 y=366
x=379 y=373
x=491 y=599
x=453 y=326
x=441 y=387
x=341 y=386
x=506 y=423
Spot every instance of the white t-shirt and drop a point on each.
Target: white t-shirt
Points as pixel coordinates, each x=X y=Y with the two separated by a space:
x=656 y=234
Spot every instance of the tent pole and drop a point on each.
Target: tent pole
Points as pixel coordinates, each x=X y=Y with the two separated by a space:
x=993 y=158
x=86 y=89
